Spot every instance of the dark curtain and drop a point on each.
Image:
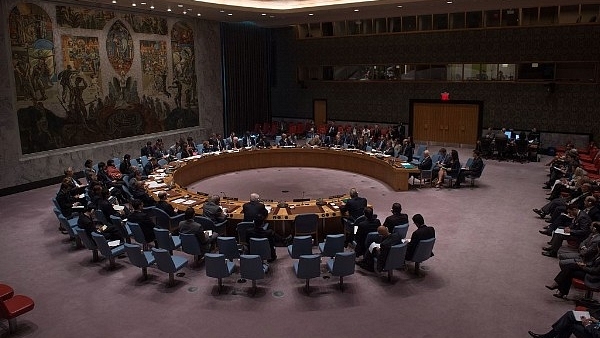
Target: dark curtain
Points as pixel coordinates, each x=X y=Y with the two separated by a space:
x=246 y=76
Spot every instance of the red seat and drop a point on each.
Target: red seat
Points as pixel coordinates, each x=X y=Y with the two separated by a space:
x=580 y=285
x=12 y=308
x=6 y=292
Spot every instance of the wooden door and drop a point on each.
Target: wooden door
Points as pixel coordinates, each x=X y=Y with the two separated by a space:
x=446 y=122
x=320 y=112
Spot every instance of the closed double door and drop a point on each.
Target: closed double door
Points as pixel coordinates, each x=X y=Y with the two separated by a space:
x=446 y=122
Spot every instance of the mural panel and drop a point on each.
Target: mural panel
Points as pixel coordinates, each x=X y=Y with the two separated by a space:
x=119 y=47
x=184 y=76
x=147 y=24
x=78 y=17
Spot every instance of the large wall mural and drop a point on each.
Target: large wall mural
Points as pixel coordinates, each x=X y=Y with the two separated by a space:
x=108 y=84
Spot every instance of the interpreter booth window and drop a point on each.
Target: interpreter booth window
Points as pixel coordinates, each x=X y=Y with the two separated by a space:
x=424 y=22
x=589 y=13
x=569 y=14
x=457 y=20
x=302 y=31
x=408 y=72
x=367 y=26
x=548 y=15
x=536 y=71
x=529 y=16
x=379 y=26
x=583 y=72
x=327 y=28
x=409 y=23
x=354 y=27
x=344 y=73
x=394 y=25
x=492 y=18
x=440 y=21
x=474 y=19
x=454 y=72
x=506 y=72
x=315 y=29
x=392 y=72
x=438 y=72
x=475 y=72
x=510 y=17
x=339 y=28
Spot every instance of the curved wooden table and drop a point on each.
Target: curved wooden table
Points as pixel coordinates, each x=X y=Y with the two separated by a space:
x=193 y=170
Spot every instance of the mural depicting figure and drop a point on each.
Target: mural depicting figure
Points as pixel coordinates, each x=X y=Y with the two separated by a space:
x=80 y=17
x=119 y=47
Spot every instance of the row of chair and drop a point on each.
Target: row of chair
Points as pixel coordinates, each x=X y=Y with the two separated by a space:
x=12 y=306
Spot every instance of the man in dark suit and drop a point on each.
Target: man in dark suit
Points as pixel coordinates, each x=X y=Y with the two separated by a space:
x=369 y=224
x=578 y=230
x=423 y=232
x=86 y=222
x=140 y=217
x=213 y=210
x=386 y=240
x=474 y=170
x=189 y=226
x=165 y=206
x=396 y=218
x=426 y=163
x=355 y=206
x=254 y=210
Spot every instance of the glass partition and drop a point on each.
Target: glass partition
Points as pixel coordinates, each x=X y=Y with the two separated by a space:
x=457 y=20
x=536 y=71
x=575 y=72
x=529 y=16
x=474 y=19
x=548 y=15
x=510 y=17
x=424 y=22
x=394 y=25
x=409 y=23
x=569 y=14
x=454 y=72
x=440 y=21
x=339 y=28
x=379 y=26
x=506 y=72
x=492 y=18
x=589 y=13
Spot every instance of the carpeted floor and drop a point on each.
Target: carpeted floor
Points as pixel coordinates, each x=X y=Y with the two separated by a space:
x=486 y=279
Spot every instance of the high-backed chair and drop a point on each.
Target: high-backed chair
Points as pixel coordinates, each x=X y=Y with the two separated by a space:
x=332 y=245
x=228 y=247
x=349 y=227
x=169 y=264
x=6 y=292
x=164 y=221
x=191 y=246
x=166 y=240
x=69 y=225
x=242 y=229
x=140 y=258
x=87 y=242
x=401 y=230
x=100 y=217
x=472 y=177
x=342 y=265
x=422 y=252
x=306 y=224
x=252 y=267
x=371 y=237
x=106 y=250
x=13 y=307
x=208 y=224
x=138 y=234
x=307 y=267
x=123 y=228
x=301 y=245
x=261 y=247
x=162 y=162
x=394 y=260
x=217 y=266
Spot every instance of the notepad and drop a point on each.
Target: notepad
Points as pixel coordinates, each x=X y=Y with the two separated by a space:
x=114 y=243
x=581 y=314
x=561 y=232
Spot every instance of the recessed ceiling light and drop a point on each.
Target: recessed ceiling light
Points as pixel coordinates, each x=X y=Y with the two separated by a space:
x=184 y=12
x=449 y=1
x=356 y=10
x=264 y=14
x=142 y=3
x=114 y=1
x=151 y=6
x=310 y=14
x=222 y=11
x=169 y=9
x=180 y=5
x=230 y=14
x=133 y=4
x=271 y=16
x=189 y=9
x=399 y=6
x=199 y=14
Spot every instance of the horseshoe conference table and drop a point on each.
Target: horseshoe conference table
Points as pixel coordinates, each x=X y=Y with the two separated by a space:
x=197 y=168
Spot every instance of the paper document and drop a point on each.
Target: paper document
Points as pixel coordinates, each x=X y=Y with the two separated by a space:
x=579 y=314
x=118 y=207
x=114 y=243
x=561 y=232
x=373 y=246
x=208 y=232
x=404 y=240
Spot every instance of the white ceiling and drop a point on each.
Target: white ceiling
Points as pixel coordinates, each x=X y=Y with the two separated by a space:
x=274 y=13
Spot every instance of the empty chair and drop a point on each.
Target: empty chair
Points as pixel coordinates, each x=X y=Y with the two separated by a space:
x=166 y=240
x=140 y=258
x=342 y=265
x=242 y=229
x=13 y=307
x=422 y=252
x=307 y=267
x=162 y=162
x=401 y=229
x=191 y=246
x=228 y=247
x=6 y=292
x=123 y=228
x=69 y=225
x=349 y=230
x=217 y=266
x=301 y=245
x=261 y=247
x=473 y=177
x=87 y=242
x=100 y=217
x=252 y=267
x=169 y=264
x=208 y=224
x=394 y=259
x=138 y=234
x=106 y=250
x=332 y=245
x=306 y=224
x=164 y=221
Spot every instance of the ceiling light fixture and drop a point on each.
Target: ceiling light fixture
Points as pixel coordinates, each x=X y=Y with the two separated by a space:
x=264 y=14
x=230 y=14
x=114 y=1
x=180 y=5
x=399 y=6
x=184 y=12
x=449 y=1
x=133 y=4
x=142 y=3
x=151 y=6
x=356 y=10
x=169 y=9
x=199 y=14
x=310 y=14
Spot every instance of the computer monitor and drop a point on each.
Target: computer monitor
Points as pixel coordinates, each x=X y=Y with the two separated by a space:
x=508 y=134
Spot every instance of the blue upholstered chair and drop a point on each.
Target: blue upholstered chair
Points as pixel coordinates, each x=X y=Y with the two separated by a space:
x=123 y=228
x=371 y=237
x=169 y=264
x=422 y=253
x=138 y=234
x=261 y=247
x=87 y=242
x=242 y=229
x=208 y=224
x=306 y=224
x=100 y=217
x=332 y=245
x=191 y=246
x=106 y=250
x=140 y=258
x=307 y=267
x=162 y=162
x=228 y=247
x=301 y=245
x=401 y=230
x=164 y=221
x=166 y=240
x=69 y=225
x=342 y=265
x=395 y=259
x=217 y=266
x=252 y=267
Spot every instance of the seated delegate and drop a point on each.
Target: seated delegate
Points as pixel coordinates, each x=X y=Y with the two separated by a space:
x=451 y=168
